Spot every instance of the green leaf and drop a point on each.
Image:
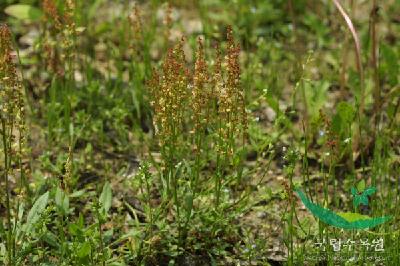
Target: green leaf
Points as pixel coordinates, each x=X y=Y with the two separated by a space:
x=93 y=8
x=361 y=186
x=390 y=64
x=352 y=217
x=189 y=204
x=50 y=239
x=84 y=250
x=107 y=235
x=37 y=209
x=106 y=197
x=336 y=125
x=62 y=201
x=24 y=12
x=77 y=193
x=346 y=112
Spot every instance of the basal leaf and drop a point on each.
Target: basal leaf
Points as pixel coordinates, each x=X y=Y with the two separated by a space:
x=24 y=12
x=84 y=250
x=62 y=201
x=37 y=209
x=106 y=197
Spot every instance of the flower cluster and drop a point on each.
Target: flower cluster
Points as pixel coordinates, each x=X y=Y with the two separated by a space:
x=232 y=117
x=11 y=88
x=170 y=97
x=231 y=96
x=201 y=92
x=70 y=31
x=216 y=104
x=11 y=101
x=167 y=21
x=51 y=13
x=60 y=27
x=136 y=33
x=136 y=23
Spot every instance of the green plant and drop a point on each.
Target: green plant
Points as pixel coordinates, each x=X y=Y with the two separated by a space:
x=13 y=131
x=59 y=27
x=209 y=128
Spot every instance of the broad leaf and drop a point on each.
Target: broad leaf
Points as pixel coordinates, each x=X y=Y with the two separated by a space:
x=106 y=197
x=37 y=209
x=24 y=12
x=84 y=250
x=50 y=239
x=62 y=201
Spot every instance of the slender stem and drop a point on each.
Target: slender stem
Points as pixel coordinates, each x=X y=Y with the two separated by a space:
x=374 y=51
x=99 y=224
x=293 y=18
x=6 y=169
x=357 y=48
x=344 y=68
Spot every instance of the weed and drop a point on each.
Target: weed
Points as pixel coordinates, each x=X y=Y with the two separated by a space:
x=13 y=131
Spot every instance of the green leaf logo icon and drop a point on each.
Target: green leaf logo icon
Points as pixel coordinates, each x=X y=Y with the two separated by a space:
x=360 y=194
x=345 y=220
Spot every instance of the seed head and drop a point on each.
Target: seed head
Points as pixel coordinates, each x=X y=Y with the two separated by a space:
x=169 y=93
x=201 y=92
x=167 y=22
x=51 y=13
x=60 y=35
x=231 y=102
x=10 y=86
x=136 y=23
x=11 y=102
